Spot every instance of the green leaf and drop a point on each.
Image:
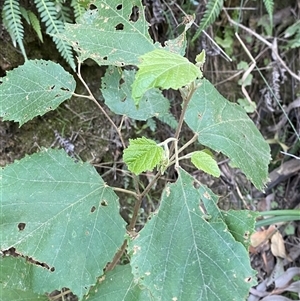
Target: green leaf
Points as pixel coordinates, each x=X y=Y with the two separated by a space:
x=201 y=58
x=118 y=285
x=249 y=107
x=15 y=284
x=241 y=224
x=118 y=96
x=34 y=89
x=204 y=161
x=163 y=69
x=247 y=81
x=142 y=154
x=111 y=34
x=183 y=254
x=224 y=126
x=60 y=213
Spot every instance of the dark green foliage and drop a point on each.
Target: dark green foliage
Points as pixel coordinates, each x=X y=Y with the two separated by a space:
x=213 y=9
x=11 y=16
x=54 y=26
x=53 y=19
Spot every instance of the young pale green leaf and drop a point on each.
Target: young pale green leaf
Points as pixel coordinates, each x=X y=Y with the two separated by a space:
x=33 y=89
x=225 y=127
x=116 y=33
x=185 y=252
x=163 y=69
x=204 y=161
x=201 y=58
x=142 y=154
x=118 y=96
x=60 y=213
x=15 y=280
x=116 y=285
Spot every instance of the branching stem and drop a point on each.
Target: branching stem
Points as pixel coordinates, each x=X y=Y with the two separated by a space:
x=186 y=101
x=91 y=96
x=270 y=45
x=124 y=191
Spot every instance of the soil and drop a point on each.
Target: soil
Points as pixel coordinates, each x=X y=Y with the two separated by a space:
x=80 y=122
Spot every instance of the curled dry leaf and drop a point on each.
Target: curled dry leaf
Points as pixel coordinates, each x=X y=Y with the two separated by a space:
x=260 y=237
x=277 y=245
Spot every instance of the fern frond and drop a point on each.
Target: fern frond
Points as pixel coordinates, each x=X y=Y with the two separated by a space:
x=169 y=119
x=293 y=32
x=11 y=16
x=54 y=26
x=269 y=5
x=24 y=14
x=63 y=12
x=213 y=9
x=79 y=8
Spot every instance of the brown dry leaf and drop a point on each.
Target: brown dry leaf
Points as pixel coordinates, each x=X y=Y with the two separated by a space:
x=277 y=245
x=260 y=237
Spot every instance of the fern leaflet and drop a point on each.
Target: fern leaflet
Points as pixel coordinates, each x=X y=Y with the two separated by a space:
x=11 y=16
x=269 y=5
x=79 y=8
x=54 y=26
x=213 y=9
x=63 y=12
x=35 y=23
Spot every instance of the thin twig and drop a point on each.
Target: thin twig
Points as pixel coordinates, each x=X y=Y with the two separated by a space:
x=124 y=191
x=91 y=96
x=206 y=34
x=270 y=45
x=183 y=111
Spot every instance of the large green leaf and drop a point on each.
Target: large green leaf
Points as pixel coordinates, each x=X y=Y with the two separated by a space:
x=225 y=127
x=163 y=69
x=111 y=34
x=60 y=213
x=186 y=252
x=118 y=96
x=33 y=89
x=142 y=154
x=15 y=280
x=118 y=285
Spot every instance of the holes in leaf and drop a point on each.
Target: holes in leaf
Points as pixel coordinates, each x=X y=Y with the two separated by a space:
x=103 y=203
x=52 y=269
x=21 y=226
x=105 y=58
x=119 y=7
x=93 y=209
x=246 y=235
x=248 y=279
x=120 y=26
x=135 y=13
